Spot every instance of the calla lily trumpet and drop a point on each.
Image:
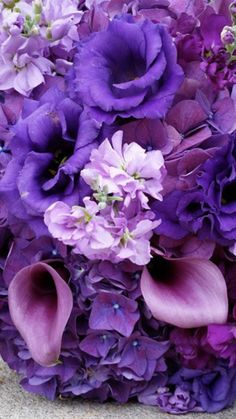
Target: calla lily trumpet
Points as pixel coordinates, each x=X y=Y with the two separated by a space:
x=40 y=304
x=185 y=292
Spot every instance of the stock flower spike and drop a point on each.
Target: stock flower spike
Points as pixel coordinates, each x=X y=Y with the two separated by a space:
x=118 y=200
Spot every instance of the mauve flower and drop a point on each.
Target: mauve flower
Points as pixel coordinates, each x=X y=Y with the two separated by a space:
x=185 y=292
x=217 y=62
x=80 y=227
x=189 y=345
x=127 y=171
x=102 y=235
x=150 y=134
x=220 y=110
x=40 y=304
x=127 y=70
x=23 y=65
x=177 y=402
x=114 y=312
x=221 y=339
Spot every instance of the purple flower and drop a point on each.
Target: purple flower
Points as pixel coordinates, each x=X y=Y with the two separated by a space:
x=114 y=312
x=98 y=344
x=127 y=70
x=212 y=389
x=127 y=171
x=40 y=303
x=80 y=227
x=221 y=339
x=208 y=209
x=27 y=252
x=140 y=355
x=23 y=65
x=216 y=389
x=52 y=143
x=102 y=235
x=177 y=402
x=185 y=292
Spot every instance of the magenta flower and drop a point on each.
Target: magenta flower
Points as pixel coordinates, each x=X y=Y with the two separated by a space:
x=40 y=304
x=185 y=292
x=126 y=170
x=221 y=339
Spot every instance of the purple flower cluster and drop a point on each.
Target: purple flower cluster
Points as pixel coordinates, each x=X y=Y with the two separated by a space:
x=118 y=200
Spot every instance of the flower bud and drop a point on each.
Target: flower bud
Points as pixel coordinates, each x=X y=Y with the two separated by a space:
x=227 y=35
x=232 y=9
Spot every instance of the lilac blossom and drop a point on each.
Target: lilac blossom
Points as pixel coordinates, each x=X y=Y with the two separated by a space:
x=80 y=227
x=27 y=32
x=113 y=168
x=99 y=235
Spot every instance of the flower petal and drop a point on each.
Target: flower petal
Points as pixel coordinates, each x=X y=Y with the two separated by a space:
x=40 y=304
x=185 y=292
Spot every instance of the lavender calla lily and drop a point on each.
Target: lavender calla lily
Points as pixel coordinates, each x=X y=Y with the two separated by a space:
x=185 y=292
x=40 y=304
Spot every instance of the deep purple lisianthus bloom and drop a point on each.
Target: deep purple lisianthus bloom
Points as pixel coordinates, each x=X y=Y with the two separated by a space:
x=216 y=211
x=213 y=389
x=209 y=208
x=52 y=143
x=128 y=70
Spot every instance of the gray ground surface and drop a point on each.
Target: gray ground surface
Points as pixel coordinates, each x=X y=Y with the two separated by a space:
x=17 y=404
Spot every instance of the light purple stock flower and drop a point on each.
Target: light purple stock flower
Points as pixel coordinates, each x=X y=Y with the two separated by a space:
x=127 y=171
x=98 y=236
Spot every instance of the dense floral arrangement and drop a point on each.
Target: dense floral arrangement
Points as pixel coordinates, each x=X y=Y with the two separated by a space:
x=118 y=200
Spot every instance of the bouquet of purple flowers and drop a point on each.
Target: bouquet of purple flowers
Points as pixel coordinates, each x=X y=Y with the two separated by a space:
x=118 y=200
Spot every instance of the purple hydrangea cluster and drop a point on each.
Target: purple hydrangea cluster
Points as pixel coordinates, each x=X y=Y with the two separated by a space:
x=118 y=200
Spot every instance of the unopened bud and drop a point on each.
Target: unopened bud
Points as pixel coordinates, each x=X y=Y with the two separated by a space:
x=227 y=35
x=232 y=8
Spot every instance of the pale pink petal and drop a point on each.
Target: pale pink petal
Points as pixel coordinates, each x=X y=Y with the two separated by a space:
x=40 y=304
x=186 y=292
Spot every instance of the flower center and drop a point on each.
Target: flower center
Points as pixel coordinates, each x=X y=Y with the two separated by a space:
x=229 y=194
x=58 y=160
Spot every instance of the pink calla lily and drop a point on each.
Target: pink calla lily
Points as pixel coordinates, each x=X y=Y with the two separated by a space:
x=185 y=292
x=40 y=304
